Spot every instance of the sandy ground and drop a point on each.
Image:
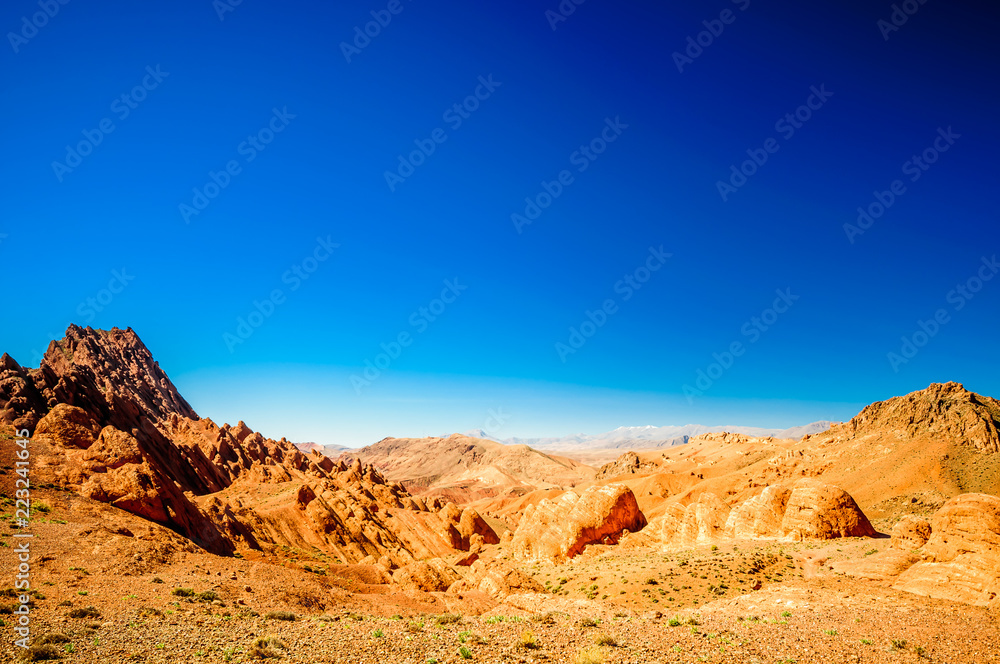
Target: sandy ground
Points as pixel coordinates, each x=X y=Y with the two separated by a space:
x=747 y=602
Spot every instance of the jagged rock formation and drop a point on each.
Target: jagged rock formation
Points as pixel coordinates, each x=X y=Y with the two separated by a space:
x=110 y=425
x=738 y=438
x=946 y=409
x=627 y=464
x=560 y=529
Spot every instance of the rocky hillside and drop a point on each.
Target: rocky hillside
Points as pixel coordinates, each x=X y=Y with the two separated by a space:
x=908 y=454
x=461 y=468
x=108 y=424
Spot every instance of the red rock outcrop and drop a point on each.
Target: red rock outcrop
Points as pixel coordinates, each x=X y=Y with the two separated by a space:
x=560 y=529
x=69 y=426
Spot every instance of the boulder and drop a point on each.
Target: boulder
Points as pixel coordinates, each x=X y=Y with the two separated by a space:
x=911 y=532
x=560 y=529
x=817 y=510
x=68 y=426
x=113 y=449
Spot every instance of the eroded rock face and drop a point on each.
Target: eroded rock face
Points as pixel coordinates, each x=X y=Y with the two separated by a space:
x=817 y=510
x=68 y=426
x=808 y=509
x=433 y=575
x=759 y=517
x=961 y=559
x=627 y=464
x=560 y=529
x=704 y=520
x=911 y=532
x=497 y=579
x=944 y=408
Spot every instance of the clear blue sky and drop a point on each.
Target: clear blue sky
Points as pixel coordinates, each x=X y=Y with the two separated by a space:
x=208 y=87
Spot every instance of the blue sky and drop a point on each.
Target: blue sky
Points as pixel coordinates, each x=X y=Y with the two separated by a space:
x=642 y=291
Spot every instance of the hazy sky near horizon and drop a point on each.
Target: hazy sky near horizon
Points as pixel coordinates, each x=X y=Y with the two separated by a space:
x=498 y=216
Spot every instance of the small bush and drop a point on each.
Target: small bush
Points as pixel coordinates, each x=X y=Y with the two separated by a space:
x=607 y=640
x=39 y=653
x=266 y=647
x=149 y=611
x=415 y=626
x=544 y=618
x=85 y=612
x=52 y=637
x=182 y=592
x=528 y=640
x=156 y=579
x=586 y=622
x=448 y=619
x=207 y=596
x=378 y=634
x=464 y=653
x=280 y=615
x=592 y=655
x=898 y=644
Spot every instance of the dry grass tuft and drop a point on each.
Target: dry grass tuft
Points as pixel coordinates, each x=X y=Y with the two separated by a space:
x=591 y=655
x=266 y=647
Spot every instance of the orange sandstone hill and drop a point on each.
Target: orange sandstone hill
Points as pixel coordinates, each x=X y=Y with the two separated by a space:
x=461 y=468
x=908 y=454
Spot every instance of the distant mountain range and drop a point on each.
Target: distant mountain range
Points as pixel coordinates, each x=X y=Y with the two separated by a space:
x=332 y=451
x=648 y=437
